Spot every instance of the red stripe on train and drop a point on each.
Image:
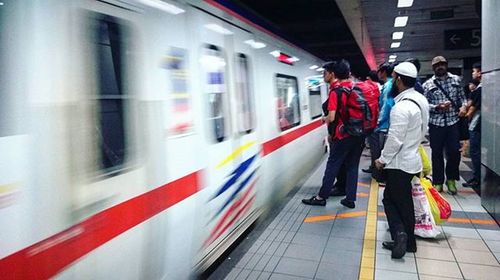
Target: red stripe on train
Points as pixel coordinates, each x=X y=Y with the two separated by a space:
x=280 y=141
x=48 y=257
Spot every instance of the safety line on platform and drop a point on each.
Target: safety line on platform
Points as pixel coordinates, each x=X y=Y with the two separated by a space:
x=367 y=268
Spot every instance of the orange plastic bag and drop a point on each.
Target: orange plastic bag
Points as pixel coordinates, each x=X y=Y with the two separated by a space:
x=440 y=208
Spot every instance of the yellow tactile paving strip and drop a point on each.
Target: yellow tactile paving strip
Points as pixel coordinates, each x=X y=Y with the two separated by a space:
x=367 y=268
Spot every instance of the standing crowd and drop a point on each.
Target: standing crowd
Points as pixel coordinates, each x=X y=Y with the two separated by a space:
x=394 y=111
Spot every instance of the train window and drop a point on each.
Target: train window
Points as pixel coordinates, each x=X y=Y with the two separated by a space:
x=110 y=129
x=214 y=65
x=245 y=111
x=315 y=103
x=181 y=113
x=287 y=101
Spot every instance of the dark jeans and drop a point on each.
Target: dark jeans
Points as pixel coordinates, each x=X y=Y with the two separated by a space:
x=377 y=142
x=398 y=204
x=341 y=179
x=444 y=138
x=343 y=152
x=475 y=153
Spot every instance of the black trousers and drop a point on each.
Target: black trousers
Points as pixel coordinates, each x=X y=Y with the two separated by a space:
x=445 y=139
x=347 y=153
x=398 y=205
x=341 y=179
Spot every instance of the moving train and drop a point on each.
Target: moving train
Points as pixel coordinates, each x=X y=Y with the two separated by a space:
x=140 y=138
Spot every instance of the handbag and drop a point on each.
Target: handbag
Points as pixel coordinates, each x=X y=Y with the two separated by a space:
x=463 y=123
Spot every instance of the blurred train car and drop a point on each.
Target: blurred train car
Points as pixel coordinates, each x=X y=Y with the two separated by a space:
x=140 y=138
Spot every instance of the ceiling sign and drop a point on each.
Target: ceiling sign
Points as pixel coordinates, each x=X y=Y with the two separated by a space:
x=462 y=39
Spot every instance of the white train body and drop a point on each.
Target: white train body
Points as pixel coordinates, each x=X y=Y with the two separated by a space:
x=138 y=141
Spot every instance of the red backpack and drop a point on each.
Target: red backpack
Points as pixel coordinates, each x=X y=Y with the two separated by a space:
x=361 y=114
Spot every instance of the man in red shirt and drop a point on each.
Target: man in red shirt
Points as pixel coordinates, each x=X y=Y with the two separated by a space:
x=345 y=148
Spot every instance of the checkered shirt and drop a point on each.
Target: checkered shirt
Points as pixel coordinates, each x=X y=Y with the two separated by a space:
x=452 y=84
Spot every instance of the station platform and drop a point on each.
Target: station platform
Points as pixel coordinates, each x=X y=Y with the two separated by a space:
x=298 y=241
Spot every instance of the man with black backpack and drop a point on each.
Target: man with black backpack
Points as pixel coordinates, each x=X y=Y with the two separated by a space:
x=347 y=145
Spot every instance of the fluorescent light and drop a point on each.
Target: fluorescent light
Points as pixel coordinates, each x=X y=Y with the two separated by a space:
x=255 y=45
x=312 y=67
x=293 y=59
x=212 y=62
x=393 y=56
x=275 y=53
x=397 y=35
x=395 y=45
x=320 y=69
x=217 y=28
x=258 y=45
x=160 y=5
x=400 y=21
x=405 y=3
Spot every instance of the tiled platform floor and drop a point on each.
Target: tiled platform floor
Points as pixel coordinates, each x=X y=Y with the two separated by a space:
x=283 y=246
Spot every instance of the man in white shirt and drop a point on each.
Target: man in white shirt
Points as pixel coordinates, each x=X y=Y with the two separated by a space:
x=400 y=158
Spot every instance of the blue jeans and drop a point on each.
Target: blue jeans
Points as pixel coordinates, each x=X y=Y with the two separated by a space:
x=445 y=138
x=475 y=153
x=348 y=152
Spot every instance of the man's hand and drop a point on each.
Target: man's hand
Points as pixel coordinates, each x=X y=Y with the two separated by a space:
x=462 y=111
x=379 y=165
x=443 y=106
x=324 y=119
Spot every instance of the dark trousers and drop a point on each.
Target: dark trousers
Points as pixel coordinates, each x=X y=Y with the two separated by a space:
x=475 y=153
x=343 y=152
x=377 y=142
x=341 y=179
x=444 y=139
x=374 y=148
x=398 y=204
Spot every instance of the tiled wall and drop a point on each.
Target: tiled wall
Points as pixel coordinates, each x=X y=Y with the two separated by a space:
x=491 y=85
x=490 y=110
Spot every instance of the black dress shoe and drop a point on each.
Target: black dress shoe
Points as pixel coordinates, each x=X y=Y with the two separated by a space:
x=314 y=201
x=399 y=249
x=389 y=245
x=348 y=203
x=337 y=192
x=471 y=184
x=367 y=170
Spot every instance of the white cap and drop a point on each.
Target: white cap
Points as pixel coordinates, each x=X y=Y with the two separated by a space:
x=406 y=69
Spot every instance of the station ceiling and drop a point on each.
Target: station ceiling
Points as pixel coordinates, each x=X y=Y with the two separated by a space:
x=361 y=30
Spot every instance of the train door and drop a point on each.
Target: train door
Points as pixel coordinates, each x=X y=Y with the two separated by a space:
x=247 y=148
x=106 y=155
x=229 y=169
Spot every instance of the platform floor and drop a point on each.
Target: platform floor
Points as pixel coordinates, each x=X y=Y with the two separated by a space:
x=298 y=241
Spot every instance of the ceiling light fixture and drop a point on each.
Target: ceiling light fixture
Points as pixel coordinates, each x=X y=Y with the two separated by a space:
x=320 y=69
x=393 y=56
x=160 y=5
x=397 y=35
x=312 y=67
x=275 y=53
x=255 y=45
x=400 y=21
x=217 y=28
x=395 y=45
x=405 y=3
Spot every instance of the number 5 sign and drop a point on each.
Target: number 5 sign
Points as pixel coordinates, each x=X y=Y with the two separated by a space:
x=462 y=38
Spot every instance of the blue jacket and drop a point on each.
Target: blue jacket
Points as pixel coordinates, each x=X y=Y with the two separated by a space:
x=386 y=101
